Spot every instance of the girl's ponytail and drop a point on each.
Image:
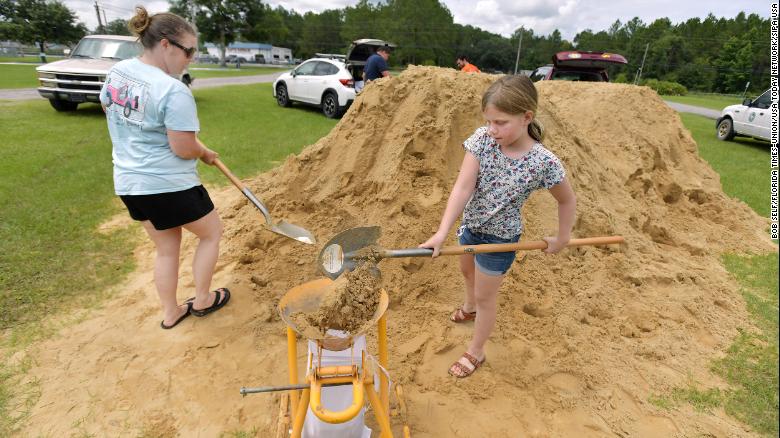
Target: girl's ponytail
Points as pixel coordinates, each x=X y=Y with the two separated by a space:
x=536 y=130
x=151 y=29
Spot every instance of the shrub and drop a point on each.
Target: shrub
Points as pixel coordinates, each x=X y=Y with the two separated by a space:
x=666 y=88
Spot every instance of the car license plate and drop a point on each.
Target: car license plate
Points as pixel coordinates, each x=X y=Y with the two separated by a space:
x=77 y=98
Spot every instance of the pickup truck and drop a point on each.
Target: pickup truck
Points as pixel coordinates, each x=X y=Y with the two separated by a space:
x=749 y=119
x=79 y=78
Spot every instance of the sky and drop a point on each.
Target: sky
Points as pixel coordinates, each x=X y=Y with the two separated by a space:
x=499 y=16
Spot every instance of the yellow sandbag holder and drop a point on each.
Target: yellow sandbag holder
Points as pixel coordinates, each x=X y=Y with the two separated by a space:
x=307 y=297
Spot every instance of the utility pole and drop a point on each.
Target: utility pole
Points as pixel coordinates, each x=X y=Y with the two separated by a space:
x=638 y=75
x=519 y=44
x=105 y=20
x=100 y=23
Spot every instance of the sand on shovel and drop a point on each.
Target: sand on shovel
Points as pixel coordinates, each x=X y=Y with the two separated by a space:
x=349 y=303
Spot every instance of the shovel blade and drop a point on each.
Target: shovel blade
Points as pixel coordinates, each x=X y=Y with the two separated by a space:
x=332 y=257
x=294 y=232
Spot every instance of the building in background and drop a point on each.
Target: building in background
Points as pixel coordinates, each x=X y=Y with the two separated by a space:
x=253 y=52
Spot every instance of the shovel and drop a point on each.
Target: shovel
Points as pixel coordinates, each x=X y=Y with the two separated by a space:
x=284 y=228
x=351 y=247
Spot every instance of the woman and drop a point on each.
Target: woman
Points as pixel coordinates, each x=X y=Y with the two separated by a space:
x=153 y=124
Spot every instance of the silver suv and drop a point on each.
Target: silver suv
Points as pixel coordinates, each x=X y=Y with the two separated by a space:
x=78 y=79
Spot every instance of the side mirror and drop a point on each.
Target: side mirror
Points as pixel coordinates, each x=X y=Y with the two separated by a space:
x=747 y=102
x=294 y=74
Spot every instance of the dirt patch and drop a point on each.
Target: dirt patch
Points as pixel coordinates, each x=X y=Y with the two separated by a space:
x=583 y=339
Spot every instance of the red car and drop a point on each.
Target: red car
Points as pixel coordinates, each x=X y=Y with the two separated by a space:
x=578 y=66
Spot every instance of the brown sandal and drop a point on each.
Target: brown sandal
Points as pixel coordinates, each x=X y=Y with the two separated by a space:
x=460 y=315
x=460 y=371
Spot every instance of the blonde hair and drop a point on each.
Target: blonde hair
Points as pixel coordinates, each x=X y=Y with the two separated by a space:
x=515 y=94
x=151 y=29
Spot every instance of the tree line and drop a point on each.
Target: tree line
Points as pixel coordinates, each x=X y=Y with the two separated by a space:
x=706 y=54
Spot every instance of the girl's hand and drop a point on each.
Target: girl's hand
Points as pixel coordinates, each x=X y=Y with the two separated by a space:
x=434 y=243
x=554 y=244
x=209 y=156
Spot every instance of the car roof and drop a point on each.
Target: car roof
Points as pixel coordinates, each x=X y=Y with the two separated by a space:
x=113 y=37
x=336 y=62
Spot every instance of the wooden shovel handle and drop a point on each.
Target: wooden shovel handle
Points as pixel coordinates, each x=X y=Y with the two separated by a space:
x=525 y=246
x=221 y=166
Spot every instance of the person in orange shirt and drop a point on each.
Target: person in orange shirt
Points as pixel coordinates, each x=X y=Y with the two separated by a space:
x=465 y=65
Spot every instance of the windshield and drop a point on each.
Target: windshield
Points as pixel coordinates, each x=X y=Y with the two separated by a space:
x=111 y=49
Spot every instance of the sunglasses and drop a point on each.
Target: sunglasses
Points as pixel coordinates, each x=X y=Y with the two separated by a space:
x=189 y=51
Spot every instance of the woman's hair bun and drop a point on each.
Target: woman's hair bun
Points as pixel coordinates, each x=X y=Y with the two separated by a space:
x=140 y=21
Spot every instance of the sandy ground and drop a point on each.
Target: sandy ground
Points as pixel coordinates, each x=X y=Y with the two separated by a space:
x=583 y=338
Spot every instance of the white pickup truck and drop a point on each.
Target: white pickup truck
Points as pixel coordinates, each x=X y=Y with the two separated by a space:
x=79 y=78
x=749 y=119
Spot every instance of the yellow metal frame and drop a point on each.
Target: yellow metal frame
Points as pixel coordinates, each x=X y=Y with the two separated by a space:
x=362 y=387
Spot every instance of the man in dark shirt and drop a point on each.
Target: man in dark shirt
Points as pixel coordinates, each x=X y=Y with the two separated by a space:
x=376 y=65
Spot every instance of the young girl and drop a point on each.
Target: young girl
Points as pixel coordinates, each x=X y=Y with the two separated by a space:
x=504 y=163
x=153 y=123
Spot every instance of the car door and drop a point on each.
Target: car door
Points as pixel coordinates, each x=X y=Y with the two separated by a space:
x=324 y=74
x=298 y=83
x=758 y=117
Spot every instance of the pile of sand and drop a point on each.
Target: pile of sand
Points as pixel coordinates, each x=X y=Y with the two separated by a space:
x=582 y=340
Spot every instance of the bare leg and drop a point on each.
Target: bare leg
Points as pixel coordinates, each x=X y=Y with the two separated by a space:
x=467 y=268
x=486 y=294
x=166 y=269
x=208 y=229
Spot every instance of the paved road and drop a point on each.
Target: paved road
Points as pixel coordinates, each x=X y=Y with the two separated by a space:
x=683 y=108
x=31 y=93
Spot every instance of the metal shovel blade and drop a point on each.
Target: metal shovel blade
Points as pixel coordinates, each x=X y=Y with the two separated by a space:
x=332 y=257
x=294 y=232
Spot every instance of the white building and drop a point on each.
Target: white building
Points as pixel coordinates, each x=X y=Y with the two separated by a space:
x=254 y=52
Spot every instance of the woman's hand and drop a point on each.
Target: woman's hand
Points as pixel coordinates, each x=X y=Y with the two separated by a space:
x=435 y=243
x=554 y=244
x=209 y=156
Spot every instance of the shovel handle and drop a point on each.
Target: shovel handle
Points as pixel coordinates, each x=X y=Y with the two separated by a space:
x=498 y=247
x=244 y=189
x=221 y=166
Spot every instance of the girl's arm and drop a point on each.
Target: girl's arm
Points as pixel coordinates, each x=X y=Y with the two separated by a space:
x=185 y=144
x=461 y=193
x=567 y=204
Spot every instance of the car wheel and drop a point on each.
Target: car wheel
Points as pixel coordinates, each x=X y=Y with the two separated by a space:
x=63 y=105
x=127 y=110
x=330 y=106
x=725 y=129
x=282 y=98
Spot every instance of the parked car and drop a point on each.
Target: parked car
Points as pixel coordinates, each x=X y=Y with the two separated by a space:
x=326 y=81
x=578 y=66
x=751 y=118
x=79 y=78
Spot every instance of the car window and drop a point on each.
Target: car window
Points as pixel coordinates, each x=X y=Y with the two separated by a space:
x=306 y=68
x=539 y=73
x=577 y=76
x=325 y=69
x=762 y=101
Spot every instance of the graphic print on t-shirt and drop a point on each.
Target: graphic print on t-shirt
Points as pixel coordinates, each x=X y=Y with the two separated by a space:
x=126 y=96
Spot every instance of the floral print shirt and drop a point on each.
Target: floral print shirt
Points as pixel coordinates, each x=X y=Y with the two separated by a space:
x=504 y=184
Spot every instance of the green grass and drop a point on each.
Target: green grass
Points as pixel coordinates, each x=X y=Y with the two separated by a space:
x=711 y=101
x=18 y=76
x=743 y=163
x=56 y=188
x=750 y=366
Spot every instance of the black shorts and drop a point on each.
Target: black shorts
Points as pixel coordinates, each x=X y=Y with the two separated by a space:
x=169 y=210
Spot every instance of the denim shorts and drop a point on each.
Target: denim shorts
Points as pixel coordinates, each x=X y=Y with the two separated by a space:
x=496 y=263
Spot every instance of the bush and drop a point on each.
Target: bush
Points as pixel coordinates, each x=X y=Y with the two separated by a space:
x=621 y=78
x=666 y=88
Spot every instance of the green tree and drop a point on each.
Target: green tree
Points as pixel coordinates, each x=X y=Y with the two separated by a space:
x=41 y=22
x=218 y=21
x=321 y=33
x=117 y=27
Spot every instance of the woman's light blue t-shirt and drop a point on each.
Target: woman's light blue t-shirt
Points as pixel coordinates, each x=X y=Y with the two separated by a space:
x=142 y=103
